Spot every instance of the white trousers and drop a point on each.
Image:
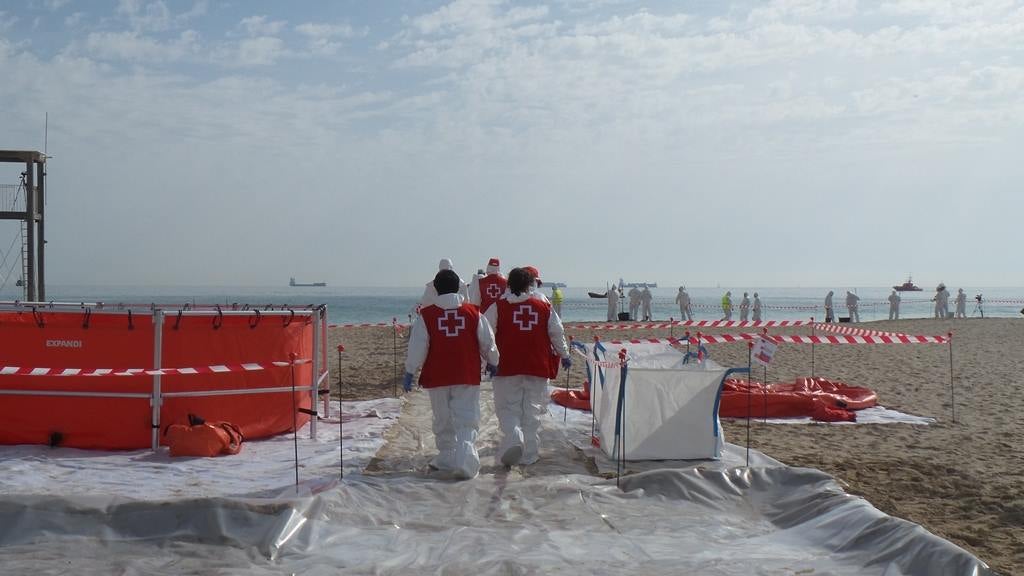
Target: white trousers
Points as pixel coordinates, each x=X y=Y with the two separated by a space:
x=684 y=313
x=647 y=310
x=456 y=422
x=894 y=312
x=757 y=314
x=854 y=314
x=520 y=402
x=744 y=313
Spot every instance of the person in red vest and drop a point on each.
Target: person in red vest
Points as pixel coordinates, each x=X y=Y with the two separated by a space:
x=526 y=330
x=485 y=291
x=448 y=343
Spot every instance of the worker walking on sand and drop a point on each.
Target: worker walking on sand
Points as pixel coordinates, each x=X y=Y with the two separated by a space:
x=941 y=300
x=613 y=303
x=486 y=290
x=527 y=331
x=961 y=304
x=448 y=345
x=829 y=312
x=744 y=308
x=556 y=299
x=683 y=299
x=757 y=308
x=645 y=302
x=727 y=306
x=894 y=306
x=852 y=301
x=634 y=303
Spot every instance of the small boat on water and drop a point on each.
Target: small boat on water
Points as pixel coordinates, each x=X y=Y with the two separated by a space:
x=294 y=283
x=597 y=295
x=907 y=286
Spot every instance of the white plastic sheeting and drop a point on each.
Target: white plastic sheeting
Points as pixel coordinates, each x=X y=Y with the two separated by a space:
x=664 y=410
x=554 y=517
x=262 y=468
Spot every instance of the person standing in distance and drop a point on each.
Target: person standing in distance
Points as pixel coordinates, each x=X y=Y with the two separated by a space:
x=757 y=307
x=829 y=311
x=894 y=306
x=486 y=290
x=449 y=344
x=683 y=299
x=430 y=293
x=526 y=330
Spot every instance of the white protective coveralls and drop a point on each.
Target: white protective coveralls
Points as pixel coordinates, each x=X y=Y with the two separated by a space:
x=745 y=308
x=645 y=301
x=941 y=301
x=851 y=305
x=683 y=299
x=520 y=401
x=613 y=304
x=894 y=306
x=757 y=308
x=430 y=293
x=634 y=303
x=456 y=407
x=961 y=304
x=727 y=306
x=830 y=315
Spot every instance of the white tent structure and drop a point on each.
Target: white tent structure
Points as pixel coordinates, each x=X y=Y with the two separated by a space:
x=656 y=406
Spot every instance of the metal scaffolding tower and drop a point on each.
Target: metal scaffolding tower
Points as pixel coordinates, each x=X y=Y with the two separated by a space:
x=34 y=179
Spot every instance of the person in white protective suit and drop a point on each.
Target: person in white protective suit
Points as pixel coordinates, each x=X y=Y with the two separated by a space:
x=486 y=289
x=634 y=303
x=745 y=308
x=448 y=344
x=531 y=340
x=894 y=306
x=757 y=308
x=961 y=304
x=683 y=299
x=941 y=301
x=830 y=315
x=645 y=301
x=613 y=303
x=430 y=293
x=852 y=305
x=727 y=306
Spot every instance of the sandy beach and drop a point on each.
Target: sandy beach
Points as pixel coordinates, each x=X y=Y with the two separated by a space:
x=961 y=480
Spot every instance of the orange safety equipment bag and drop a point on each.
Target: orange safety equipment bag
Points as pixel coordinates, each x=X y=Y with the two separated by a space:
x=200 y=438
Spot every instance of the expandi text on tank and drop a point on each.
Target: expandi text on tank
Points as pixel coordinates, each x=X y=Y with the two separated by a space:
x=63 y=343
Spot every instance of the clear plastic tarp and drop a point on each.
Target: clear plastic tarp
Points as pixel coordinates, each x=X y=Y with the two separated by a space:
x=389 y=516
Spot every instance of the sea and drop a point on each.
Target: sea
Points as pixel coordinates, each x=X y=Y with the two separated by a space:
x=349 y=305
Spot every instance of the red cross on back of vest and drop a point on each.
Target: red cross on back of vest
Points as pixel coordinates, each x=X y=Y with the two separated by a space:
x=491 y=287
x=522 y=337
x=453 y=355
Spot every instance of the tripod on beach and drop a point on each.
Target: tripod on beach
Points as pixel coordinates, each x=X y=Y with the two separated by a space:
x=977 y=307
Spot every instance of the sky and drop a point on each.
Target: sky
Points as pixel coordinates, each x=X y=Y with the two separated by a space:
x=746 y=143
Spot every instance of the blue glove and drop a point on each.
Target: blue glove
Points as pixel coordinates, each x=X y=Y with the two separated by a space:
x=566 y=363
x=491 y=370
x=407 y=382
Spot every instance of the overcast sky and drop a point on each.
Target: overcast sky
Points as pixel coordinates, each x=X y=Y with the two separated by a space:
x=786 y=143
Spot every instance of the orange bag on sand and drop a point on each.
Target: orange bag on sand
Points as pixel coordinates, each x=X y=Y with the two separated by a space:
x=203 y=438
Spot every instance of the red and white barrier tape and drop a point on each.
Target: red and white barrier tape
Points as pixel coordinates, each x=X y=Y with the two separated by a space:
x=839 y=329
x=370 y=325
x=794 y=339
x=214 y=369
x=690 y=323
x=598 y=363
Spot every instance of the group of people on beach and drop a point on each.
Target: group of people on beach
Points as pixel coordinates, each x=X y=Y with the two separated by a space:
x=745 y=307
x=511 y=329
x=941 y=300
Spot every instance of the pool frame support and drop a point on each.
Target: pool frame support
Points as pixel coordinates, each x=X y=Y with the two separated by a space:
x=33 y=217
x=157 y=400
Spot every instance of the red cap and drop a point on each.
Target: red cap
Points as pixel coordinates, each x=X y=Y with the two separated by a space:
x=494 y=262
x=533 y=272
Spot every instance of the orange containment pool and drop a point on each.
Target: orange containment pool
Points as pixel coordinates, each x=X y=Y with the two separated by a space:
x=116 y=411
x=814 y=397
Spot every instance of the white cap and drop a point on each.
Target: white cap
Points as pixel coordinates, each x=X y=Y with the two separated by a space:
x=444 y=264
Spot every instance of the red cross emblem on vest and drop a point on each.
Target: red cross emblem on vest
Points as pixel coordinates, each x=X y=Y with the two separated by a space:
x=451 y=323
x=525 y=317
x=494 y=291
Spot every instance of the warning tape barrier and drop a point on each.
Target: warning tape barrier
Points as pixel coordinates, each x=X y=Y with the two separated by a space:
x=598 y=363
x=213 y=369
x=839 y=329
x=370 y=325
x=793 y=339
x=690 y=323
